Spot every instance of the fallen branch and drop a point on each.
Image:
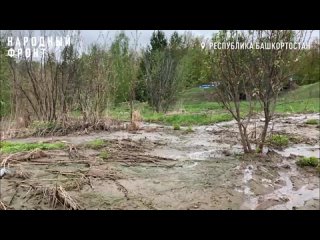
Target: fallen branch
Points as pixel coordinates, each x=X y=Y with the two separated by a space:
x=3 y=163
x=66 y=199
x=2 y=206
x=122 y=189
x=33 y=155
x=24 y=156
x=66 y=173
x=13 y=196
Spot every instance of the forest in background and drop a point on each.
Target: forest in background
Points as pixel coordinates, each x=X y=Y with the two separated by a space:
x=110 y=73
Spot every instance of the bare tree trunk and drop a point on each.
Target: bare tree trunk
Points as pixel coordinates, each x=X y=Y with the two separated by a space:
x=243 y=138
x=263 y=135
x=267 y=118
x=247 y=139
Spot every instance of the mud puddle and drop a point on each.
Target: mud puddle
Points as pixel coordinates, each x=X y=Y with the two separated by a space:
x=288 y=190
x=302 y=150
x=159 y=168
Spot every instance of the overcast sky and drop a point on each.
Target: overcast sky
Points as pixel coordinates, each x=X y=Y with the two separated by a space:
x=90 y=36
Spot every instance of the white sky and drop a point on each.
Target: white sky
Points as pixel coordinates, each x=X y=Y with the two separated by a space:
x=90 y=36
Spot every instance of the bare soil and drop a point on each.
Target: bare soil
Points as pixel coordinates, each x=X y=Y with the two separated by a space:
x=159 y=168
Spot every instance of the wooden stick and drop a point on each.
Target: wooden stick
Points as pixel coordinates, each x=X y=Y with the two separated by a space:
x=2 y=206
x=3 y=163
x=66 y=199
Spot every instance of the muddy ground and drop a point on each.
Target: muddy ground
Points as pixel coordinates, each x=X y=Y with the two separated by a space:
x=159 y=168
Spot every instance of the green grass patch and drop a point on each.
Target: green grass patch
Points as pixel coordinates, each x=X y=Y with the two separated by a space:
x=303 y=92
x=96 y=144
x=76 y=113
x=176 y=127
x=196 y=109
x=193 y=119
x=189 y=130
x=304 y=99
x=104 y=155
x=203 y=106
x=195 y=95
x=10 y=147
x=308 y=161
x=313 y=121
x=279 y=140
x=298 y=106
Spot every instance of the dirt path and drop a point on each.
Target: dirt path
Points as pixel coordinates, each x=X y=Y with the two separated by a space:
x=159 y=168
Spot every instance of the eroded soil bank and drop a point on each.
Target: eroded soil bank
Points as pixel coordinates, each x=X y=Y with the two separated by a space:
x=159 y=168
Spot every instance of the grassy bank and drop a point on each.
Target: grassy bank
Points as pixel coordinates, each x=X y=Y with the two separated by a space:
x=195 y=108
x=10 y=147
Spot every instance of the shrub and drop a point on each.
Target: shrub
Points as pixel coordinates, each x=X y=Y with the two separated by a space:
x=279 y=140
x=96 y=144
x=308 y=161
x=312 y=121
x=10 y=147
x=189 y=130
x=176 y=127
x=104 y=155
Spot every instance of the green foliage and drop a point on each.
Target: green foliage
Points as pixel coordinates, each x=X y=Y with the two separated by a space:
x=5 y=86
x=101 y=78
x=309 y=68
x=308 y=161
x=175 y=40
x=10 y=147
x=299 y=106
x=195 y=66
x=104 y=155
x=162 y=80
x=158 y=41
x=279 y=140
x=96 y=79
x=199 y=111
x=192 y=119
x=304 y=99
x=42 y=128
x=121 y=63
x=168 y=68
x=189 y=130
x=303 y=92
x=43 y=125
x=176 y=127
x=141 y=93
x=313 y=121
x=96 y=144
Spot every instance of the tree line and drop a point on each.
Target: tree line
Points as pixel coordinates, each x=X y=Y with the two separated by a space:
x=106 y=73
x=101 y=76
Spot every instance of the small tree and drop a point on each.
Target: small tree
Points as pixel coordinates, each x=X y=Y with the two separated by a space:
x=162 y=79
x=121 y=64
x=259 y=74
x=160 y=71
x=134 y=71
x=158 y=41
x=96 y=80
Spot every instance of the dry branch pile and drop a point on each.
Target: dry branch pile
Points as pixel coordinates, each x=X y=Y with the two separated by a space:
x=63 y=197
x=130 y=152
x=42 y=179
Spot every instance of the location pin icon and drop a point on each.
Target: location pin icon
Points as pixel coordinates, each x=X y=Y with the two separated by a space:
x=203 y=44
